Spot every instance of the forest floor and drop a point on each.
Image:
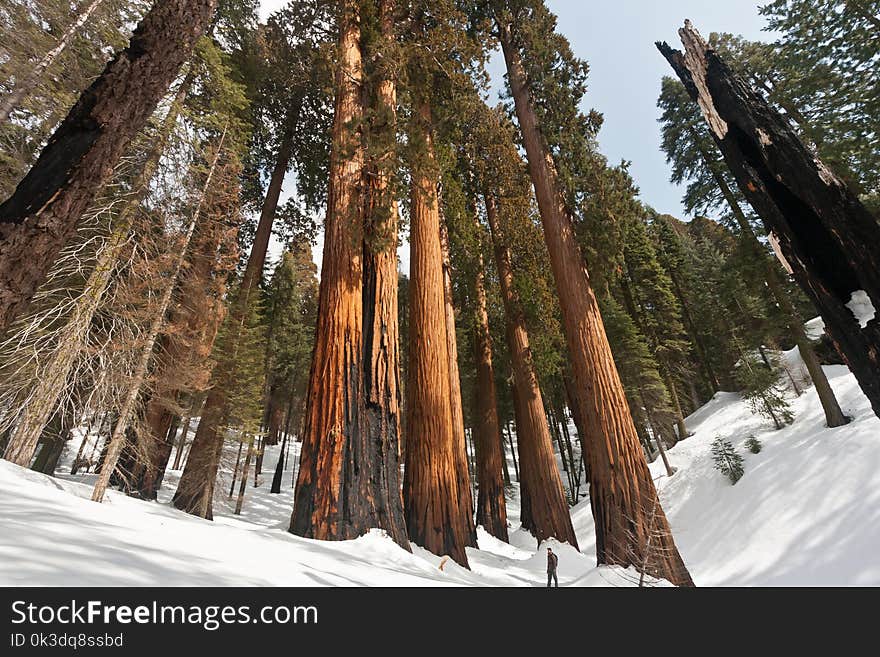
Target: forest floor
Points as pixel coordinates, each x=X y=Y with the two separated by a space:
x=805 y=513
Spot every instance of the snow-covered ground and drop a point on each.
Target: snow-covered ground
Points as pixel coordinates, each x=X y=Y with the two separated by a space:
x=805 y=513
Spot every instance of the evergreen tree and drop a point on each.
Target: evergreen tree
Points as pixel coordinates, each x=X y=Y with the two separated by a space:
x=727 y=461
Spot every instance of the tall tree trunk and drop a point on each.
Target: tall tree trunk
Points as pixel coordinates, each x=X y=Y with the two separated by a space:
x=117 y=438
x=235 y=469
x=834 y=416
x=26 y=85
x=454 y=378
x=53 y=381
x=827 y=237
x=347 y=481
x=438 y=515
x=622 y=493
x=491 y=506
x=279 y=468
x=42 y=214
x=548 y=514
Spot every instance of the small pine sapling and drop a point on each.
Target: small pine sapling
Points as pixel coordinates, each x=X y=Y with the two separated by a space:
x=727 y=461
x=754 y=445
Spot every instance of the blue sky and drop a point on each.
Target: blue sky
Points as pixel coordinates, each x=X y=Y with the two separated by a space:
x=617 y=38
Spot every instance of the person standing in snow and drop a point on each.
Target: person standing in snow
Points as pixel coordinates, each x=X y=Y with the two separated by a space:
x=552 y=562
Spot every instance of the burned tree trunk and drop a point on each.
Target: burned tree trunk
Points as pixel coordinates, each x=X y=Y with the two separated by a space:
x=437 y=514
x=43 y=212
x=826 y=236
x=622 y=492
x=491 y=506
x=544 y=509
x=834 y=417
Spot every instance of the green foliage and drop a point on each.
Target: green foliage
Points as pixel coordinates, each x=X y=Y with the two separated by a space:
x=726 y=460
x=754 y=445
x=762 y=391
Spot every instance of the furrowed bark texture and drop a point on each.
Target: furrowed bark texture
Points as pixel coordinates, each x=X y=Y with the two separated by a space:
x=42 y=214
x=375 y=498
x=325 y=496
x=622 y=493
x=454 y=378
x=826 y=235
x=544 y=510
x=491 y=505
x=437 y=514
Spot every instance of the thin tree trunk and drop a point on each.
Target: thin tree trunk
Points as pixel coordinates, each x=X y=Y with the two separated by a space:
x=82 y=446
x=279 y=468
x=125 y=412
x=827 y=237
x=42 y=214
x=512 y=452
x=235 y=470
x=491 y=505
x=23 y=88
x=548 y=507
x=621 y=489
x=180 y=444
x=244 y=475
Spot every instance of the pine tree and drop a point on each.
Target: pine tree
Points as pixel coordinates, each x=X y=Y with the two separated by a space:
x=727 y=461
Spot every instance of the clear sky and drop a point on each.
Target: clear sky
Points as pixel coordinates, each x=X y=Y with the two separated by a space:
x=617 y=38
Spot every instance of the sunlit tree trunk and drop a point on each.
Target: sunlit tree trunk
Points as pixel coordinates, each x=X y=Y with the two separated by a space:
x=544 y=509
x=622 y=492
x=437 y=514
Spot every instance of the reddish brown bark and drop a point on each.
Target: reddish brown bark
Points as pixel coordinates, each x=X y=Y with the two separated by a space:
x=543 y=508
x=626 y=510
x=43 y=212
x=455 y=402
x=491 y=505
x=348 y=480
x=437 y=515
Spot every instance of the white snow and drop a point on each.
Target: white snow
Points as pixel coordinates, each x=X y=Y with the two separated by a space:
x=806 y=512
x=861 y=307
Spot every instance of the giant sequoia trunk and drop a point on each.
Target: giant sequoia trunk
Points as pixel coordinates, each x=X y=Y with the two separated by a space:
x=543 y=507
x=438 y=516
x=454 y=378
x=828 y=238
x=491 y=506
x=376 y=459
x=626 y=509
x=348 y=476
x=42 y=214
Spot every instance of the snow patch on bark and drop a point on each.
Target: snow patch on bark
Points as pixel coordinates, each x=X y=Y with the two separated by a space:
x=861 y=307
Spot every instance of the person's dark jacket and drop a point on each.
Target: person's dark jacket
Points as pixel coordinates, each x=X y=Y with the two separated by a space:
x=552 y=562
